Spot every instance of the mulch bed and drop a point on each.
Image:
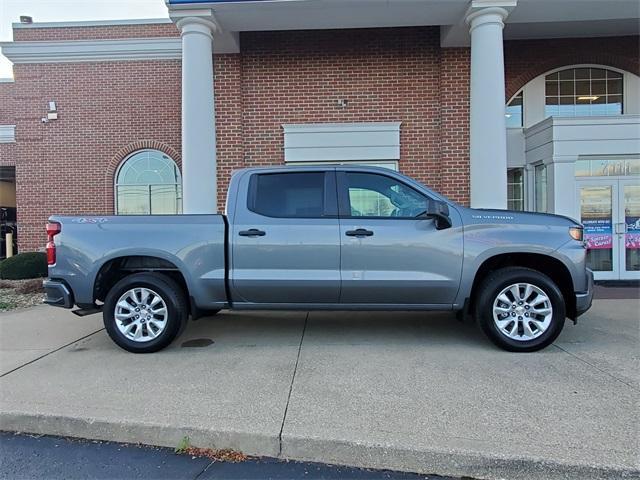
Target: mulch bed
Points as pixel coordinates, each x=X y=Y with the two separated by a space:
x=16 y=294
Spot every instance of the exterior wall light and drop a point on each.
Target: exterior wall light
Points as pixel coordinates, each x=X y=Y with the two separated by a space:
x=52 y=114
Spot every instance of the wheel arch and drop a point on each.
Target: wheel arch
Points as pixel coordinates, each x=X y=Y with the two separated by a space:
x=116 y=268
x=545 y=264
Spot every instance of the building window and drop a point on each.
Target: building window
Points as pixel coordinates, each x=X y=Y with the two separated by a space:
x=577 y=92
x=513 y=114
x=148 y=183
x=540 y=179
x=515 y=189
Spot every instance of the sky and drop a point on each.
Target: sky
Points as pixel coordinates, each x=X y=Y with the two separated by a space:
x=72 y=10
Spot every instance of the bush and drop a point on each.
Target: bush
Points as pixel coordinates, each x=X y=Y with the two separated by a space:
x=24 y=265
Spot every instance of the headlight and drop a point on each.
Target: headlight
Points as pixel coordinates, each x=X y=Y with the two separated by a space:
x=577 y=233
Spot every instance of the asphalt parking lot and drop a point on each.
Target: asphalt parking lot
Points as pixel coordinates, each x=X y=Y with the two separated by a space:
x=414 y=392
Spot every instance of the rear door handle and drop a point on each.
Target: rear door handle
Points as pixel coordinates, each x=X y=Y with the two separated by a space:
x=360 y=232
x=253 y=232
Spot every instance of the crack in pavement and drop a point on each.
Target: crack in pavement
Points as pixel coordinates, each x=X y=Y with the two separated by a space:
x=49 y=353
x=293 y=378
x=597 y=368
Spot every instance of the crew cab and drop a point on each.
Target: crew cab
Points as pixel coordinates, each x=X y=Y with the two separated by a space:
x=322 y=238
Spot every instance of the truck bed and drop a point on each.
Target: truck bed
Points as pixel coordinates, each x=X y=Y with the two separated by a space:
x=194 y=244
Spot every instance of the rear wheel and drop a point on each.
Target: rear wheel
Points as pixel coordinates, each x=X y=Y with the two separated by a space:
x=520 y=309
x=145 y=312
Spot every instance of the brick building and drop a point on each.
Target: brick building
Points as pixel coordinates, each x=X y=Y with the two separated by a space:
x=152 y=116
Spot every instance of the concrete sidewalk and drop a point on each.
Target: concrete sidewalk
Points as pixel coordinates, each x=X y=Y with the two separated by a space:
x=405 y=391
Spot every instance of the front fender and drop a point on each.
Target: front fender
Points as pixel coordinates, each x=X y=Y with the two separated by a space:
x=483 y=242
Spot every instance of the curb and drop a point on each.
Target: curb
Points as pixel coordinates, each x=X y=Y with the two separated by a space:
x=431 y=462
x=464 y=464
x=139 y=433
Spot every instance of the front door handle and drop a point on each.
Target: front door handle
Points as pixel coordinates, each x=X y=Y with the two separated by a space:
x=360 y=232
x=253 y=232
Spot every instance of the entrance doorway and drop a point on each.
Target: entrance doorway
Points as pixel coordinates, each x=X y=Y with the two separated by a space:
x=7 y=208
x=609 y=209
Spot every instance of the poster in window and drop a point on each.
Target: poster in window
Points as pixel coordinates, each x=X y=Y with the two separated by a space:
x=598 y=233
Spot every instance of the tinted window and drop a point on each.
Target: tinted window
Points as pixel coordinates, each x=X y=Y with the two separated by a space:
x=288 y=195
x=372 y=195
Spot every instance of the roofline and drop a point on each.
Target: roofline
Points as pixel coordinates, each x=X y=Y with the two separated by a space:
x=92 y=23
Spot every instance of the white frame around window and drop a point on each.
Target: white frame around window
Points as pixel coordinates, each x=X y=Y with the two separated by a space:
x=116 y=184
x=523 y=186
x=336 y=142
x=545 y=198
x=533 y=110
x=390 y=164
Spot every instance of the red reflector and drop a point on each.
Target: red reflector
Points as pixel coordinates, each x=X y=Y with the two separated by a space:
x=51 y=253
x=53 y=228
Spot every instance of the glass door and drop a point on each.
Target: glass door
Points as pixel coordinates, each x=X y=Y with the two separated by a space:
x=628 y=227
x=610 y=213
x=598 y=201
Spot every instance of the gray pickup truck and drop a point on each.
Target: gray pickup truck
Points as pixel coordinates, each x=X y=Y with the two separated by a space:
x=322 y=238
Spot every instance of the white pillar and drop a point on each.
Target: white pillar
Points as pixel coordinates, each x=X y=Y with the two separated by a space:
x=199 y=180
x=487 y=123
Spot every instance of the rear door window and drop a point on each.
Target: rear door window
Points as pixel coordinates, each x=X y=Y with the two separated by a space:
x=292 y=194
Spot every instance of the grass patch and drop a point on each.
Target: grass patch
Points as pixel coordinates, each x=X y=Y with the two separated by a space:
x=6 y=305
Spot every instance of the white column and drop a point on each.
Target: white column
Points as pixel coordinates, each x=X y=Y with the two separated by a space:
x=199 y=180
x=487 y=123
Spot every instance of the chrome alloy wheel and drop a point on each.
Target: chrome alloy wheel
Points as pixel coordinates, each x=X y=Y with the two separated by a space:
x=522 y=312
x=141 y=314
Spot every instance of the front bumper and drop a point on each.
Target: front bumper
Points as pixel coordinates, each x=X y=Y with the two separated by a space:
x=584 y=299
x=57 y=293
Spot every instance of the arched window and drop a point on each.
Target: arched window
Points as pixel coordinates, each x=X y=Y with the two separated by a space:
x=148 y=182
x=586 y=91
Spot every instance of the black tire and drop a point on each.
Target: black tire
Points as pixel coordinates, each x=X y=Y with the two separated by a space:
x=176 y=306
x=494 y=284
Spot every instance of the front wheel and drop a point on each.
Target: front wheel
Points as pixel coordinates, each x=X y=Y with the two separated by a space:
x=520 y=309
x=144 y=312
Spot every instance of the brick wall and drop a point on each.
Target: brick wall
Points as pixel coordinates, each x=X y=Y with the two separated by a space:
x=150 y=30
x=385 y=74
x=7 y=117
x=105 y=110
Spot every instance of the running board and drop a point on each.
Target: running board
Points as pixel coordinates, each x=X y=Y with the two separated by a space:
x=83 y=312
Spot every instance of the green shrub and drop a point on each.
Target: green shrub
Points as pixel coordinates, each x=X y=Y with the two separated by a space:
x=24 y=265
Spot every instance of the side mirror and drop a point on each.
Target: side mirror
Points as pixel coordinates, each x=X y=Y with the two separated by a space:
x=440 y=212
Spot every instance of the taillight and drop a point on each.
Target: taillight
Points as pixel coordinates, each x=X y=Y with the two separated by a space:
x=53 y=228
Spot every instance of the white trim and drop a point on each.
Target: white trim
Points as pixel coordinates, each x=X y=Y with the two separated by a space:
x=71 y=51
x=7 y=80
x=329 y=142
x=390 y=164
x=7 y=133
x=92 y=23
x=533 y=92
